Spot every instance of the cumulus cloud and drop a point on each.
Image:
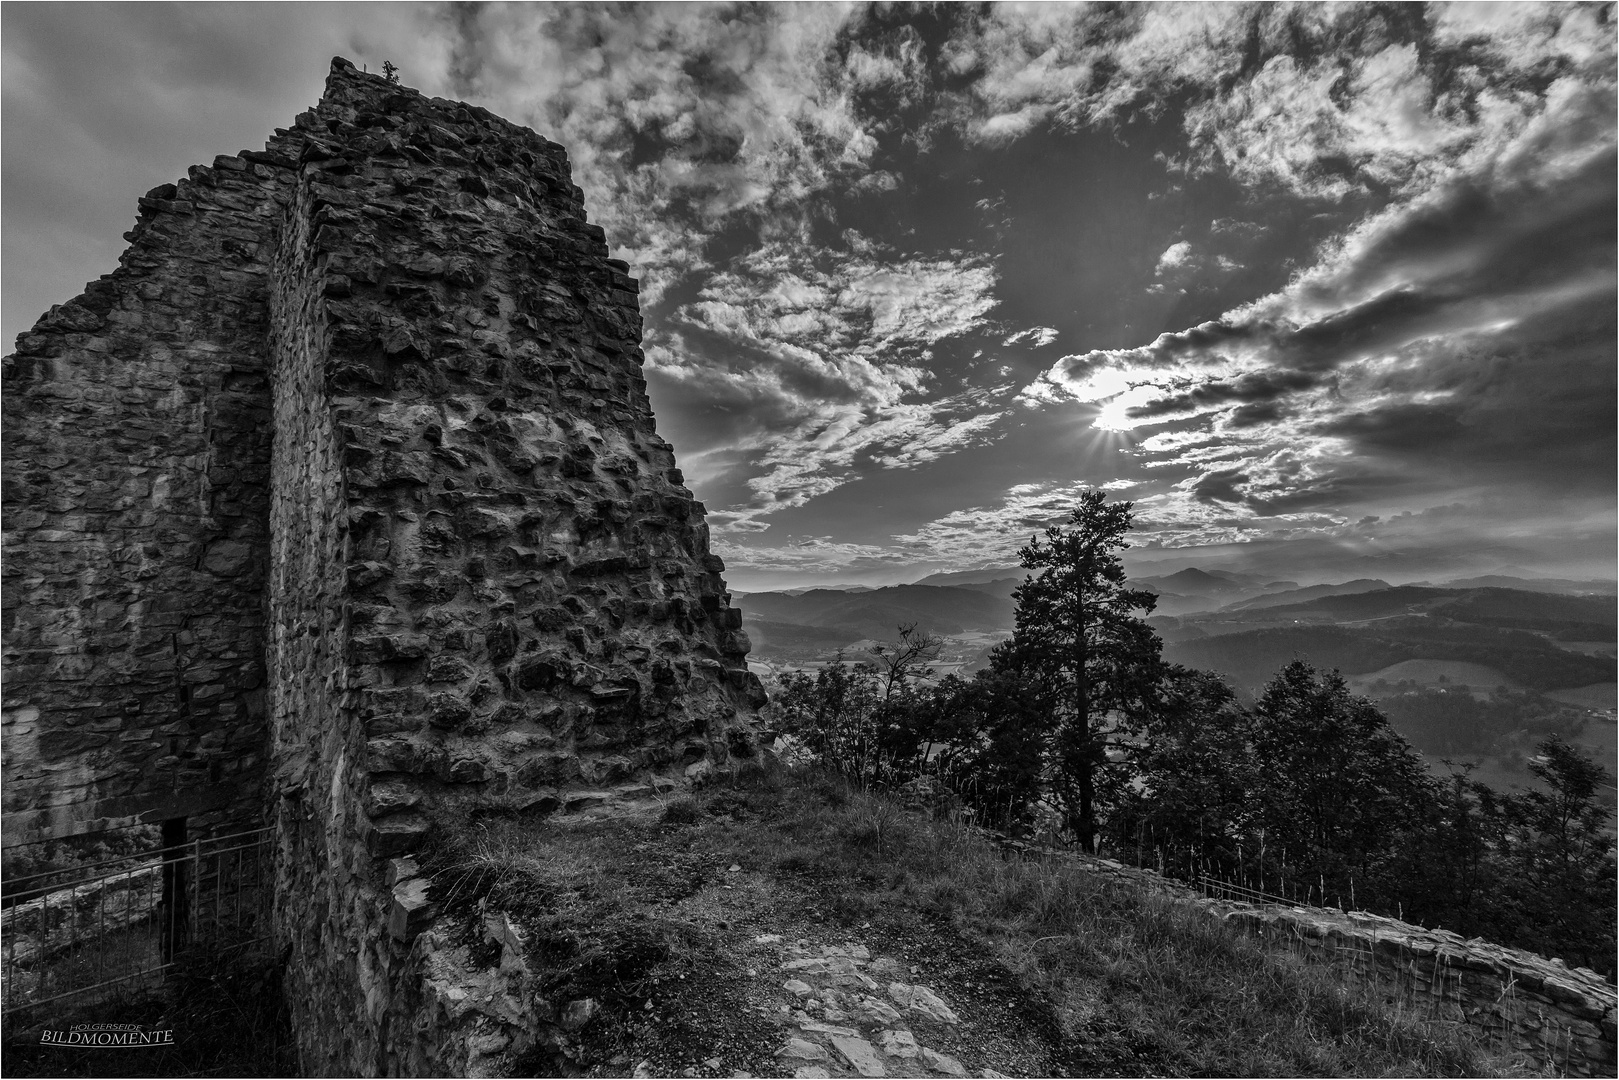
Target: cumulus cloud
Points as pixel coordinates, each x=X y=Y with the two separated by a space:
x=1182 y=265
x=810 y=557
x=682 y=118
x=812 y=365
x=1321 y=99
x=687 y=122
x=1175 y=256
x=863 y=298
x=1037 y=337
x=990 y=535
x=786 y=369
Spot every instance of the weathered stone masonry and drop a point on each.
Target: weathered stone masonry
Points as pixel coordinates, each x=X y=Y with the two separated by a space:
x=136 y=468
x=341 y=497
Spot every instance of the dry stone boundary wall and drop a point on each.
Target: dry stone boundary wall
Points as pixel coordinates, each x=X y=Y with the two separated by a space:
x=1550 y=1015
x=339 y=507
x=1554 y=1016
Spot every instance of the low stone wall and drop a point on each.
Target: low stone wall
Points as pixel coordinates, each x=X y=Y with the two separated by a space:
x=1556 y=1017
x=1559 y=1018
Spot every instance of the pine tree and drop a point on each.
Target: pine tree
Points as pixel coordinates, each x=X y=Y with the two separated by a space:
x=1077 y=631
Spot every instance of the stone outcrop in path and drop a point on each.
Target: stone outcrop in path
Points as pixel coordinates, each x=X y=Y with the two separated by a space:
x=855 y=1015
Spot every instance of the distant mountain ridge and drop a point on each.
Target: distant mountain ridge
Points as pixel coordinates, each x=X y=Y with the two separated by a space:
x=1489 y=606
x=737 y=594
x=998 y=587
x=1309 y=592
x=1553 y=585
x=879 y=613
x=1194 y=582
x=974 y=577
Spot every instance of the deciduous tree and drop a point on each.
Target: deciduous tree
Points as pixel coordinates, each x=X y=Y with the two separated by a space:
x=1558 y=887
x=1194 y=774
x=902 y=662
x=1334 y=782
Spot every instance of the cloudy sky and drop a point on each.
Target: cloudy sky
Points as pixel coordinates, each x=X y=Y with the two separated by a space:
x=1325 y=290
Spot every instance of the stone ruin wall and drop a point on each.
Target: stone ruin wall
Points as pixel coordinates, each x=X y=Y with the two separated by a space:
x=530 y=619
x=339 y=506
x=136 y=465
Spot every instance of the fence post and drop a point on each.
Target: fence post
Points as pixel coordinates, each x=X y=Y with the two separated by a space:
x=194 y=909
x=176 y=902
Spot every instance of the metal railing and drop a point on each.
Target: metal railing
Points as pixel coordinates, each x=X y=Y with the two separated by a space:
x=1217 y=889
x=120 y=923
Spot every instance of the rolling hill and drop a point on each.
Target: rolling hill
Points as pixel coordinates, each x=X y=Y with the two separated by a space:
x=1551 y=585
x=998 y=587
x=1192 y=582
x=1251 y=658
x=783 y=640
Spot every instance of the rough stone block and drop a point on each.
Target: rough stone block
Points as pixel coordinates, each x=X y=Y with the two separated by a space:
x=942 y=1063
x=411 y=911
x=898 y=1044
x=396 y=834
x=860 y=1055
x=797 y=1049
x=400 y=869
x=920 y=999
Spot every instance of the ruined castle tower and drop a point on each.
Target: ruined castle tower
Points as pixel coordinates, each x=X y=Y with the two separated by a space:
x=338 y=507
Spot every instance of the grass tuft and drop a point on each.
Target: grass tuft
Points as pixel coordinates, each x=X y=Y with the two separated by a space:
x=682 y=811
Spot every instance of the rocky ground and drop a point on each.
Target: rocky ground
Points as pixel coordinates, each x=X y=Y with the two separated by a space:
x=859 y=1022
